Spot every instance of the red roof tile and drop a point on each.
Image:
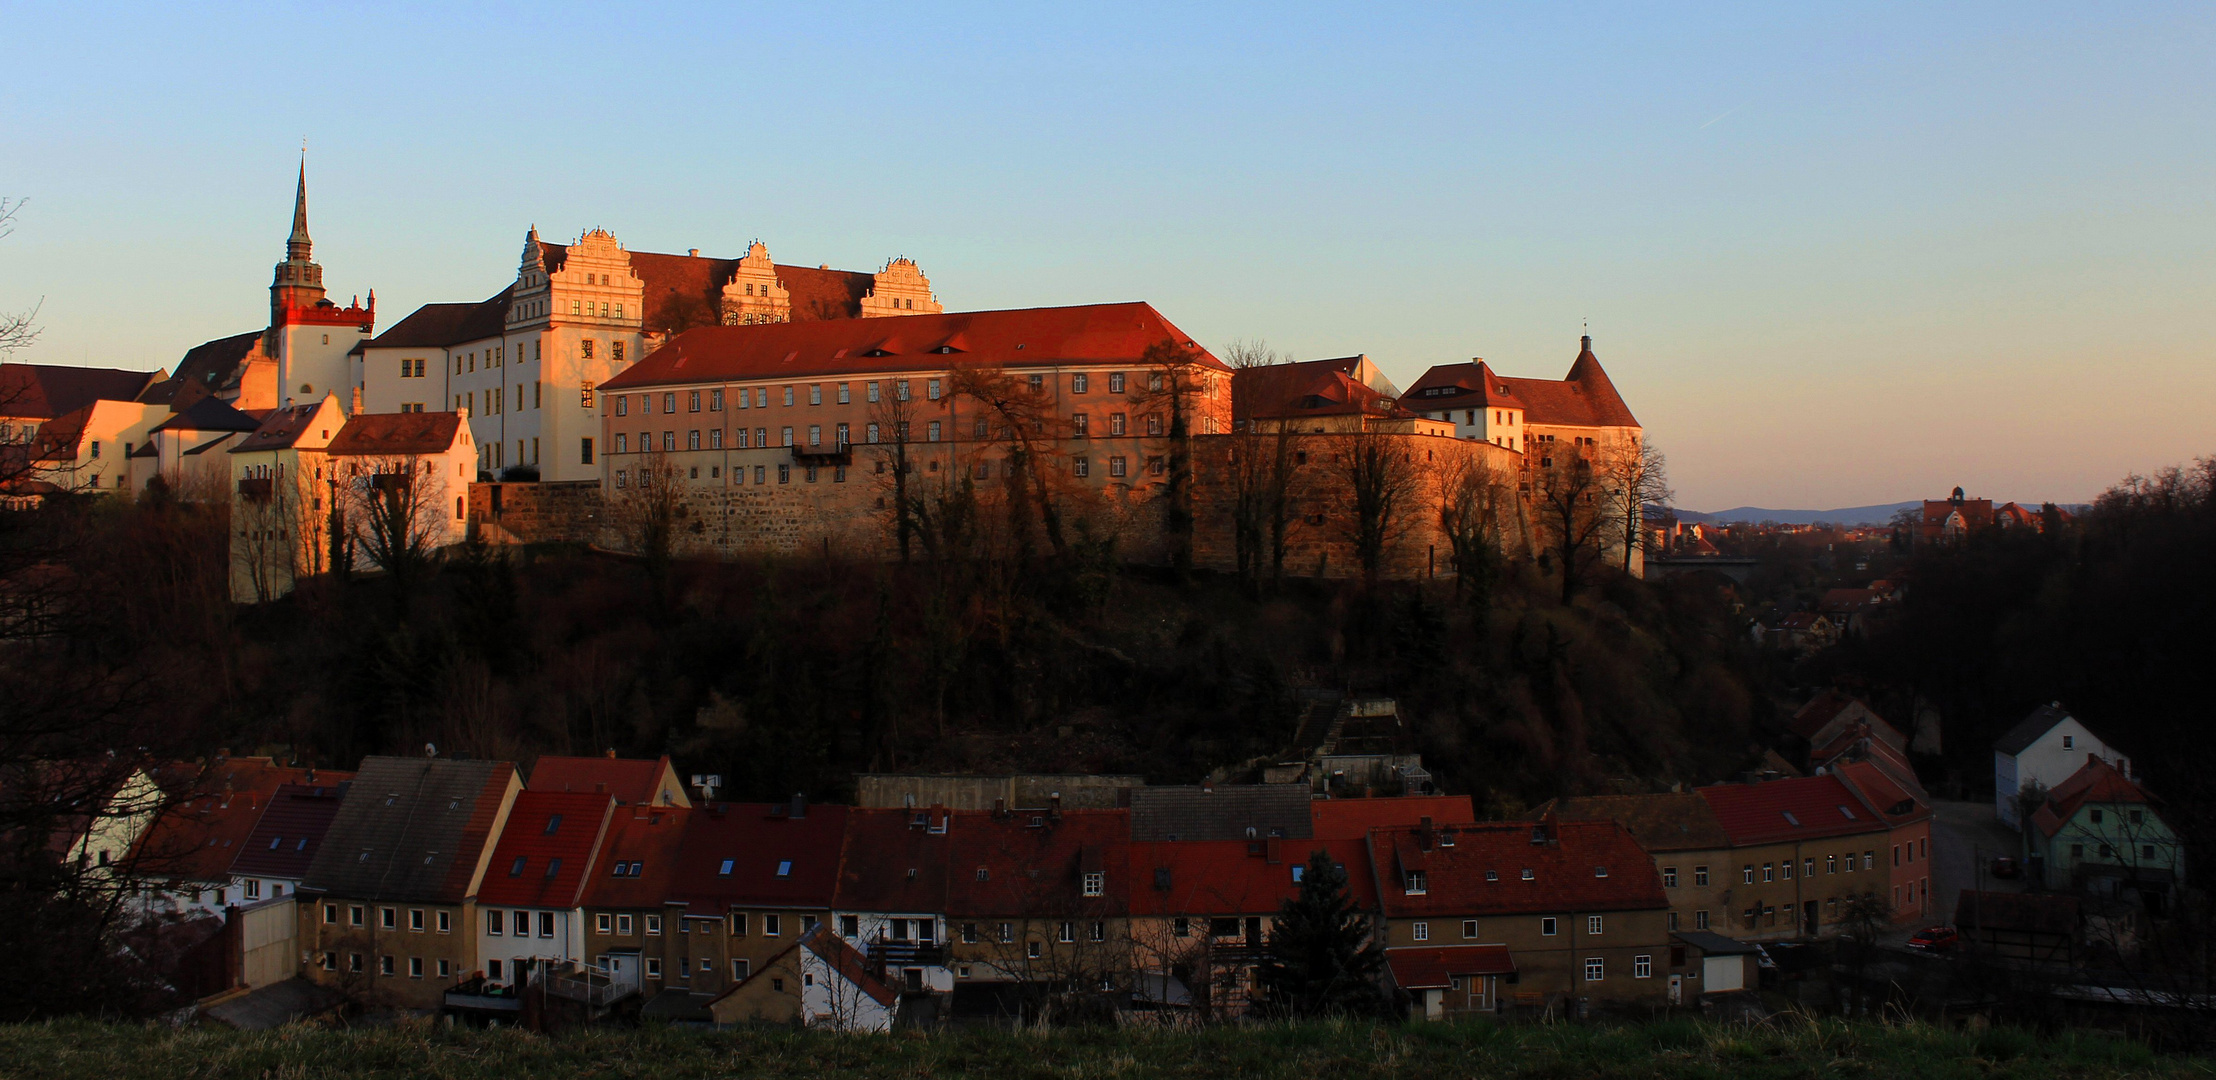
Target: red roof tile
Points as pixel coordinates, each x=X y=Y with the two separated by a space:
x=1311 y=388
x=1031 y=337
x=211 y=812
x=41 y=391
x=381 y=434
x=1236 y=877
x=893 y=860
x=1892 y=800
x=1352 y=819
x=848 y=963
x=290 y=831
x=1579 y=866
x=637 y=867
x=547 y=849
x=1583 y=398
x=759 y=855
x=1430 y=967
x=633 y=781
x=1026 y=864
x=1794 y=809
x=2096 y=781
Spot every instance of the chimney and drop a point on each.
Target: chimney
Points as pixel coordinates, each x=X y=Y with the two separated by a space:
x=800 y=805
x=1054 y=806
x=1000 y=807
x=1587 y=343
x=1207 y=787
x=357 y=409
x=694 y=252
x=611 y=753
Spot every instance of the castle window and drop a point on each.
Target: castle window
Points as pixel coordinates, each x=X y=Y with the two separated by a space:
x=615 y=351
x=815 y=434
x=788 y=438
x=844 y=436
x=1082 y=468
x=788 y=396
x=931 y=431
x=815 y=393
x=692 y=439
x=573 y=307
x=845 y=393
x=870 y=433
x=931 y=389
x=715 y=438
x=1115 y=382
x=584 y=348
x=692 y=401
x=1116 y=466
x=1080 y=425
x=715 y=401
x=1079 y=382
x=871 y=393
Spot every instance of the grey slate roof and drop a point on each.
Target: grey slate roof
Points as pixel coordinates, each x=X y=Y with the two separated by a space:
x=1161 y=814
x=411 y=829
x=2042 y=720
x=276 y=1005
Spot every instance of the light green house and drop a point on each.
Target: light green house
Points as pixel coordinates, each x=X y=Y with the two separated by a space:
x=2101 y=833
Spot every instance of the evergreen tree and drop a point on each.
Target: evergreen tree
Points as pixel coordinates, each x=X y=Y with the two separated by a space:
x=1322 y=958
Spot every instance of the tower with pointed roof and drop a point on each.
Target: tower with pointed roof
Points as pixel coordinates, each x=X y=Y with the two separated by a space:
x=310 y=338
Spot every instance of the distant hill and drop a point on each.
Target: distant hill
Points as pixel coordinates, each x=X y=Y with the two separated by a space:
x=1849 y=515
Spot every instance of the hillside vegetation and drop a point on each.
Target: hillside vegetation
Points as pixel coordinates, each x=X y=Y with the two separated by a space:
x=1674 y=1048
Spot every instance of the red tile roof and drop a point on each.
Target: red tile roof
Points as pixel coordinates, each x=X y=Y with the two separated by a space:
x=1583 y=398
x=1312 y=388
x=1429 y=967
x=281 y=428
x=892 y=860
x=381 y=434
x=633 y=781
x=849 y=964
x=1236 y=877
x=1580 y=866
x=1794 y=809
x=1032 y=863
x=42 y=391
x=2096 y=781
x=1352 y=819
x=547 y=849
x=211 y=812
x=637 y=867
x=1892 y=800
x=759 y=855
x=285 y=840
x=1031 y=337
x=1809 y=719
x=1662 y=821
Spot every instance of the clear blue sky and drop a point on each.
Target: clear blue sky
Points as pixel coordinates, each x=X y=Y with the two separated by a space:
x=1831 y=258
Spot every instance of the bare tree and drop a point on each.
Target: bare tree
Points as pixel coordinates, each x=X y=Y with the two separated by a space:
x=1474 y=498
x=1265 y=460
x=648 y=501
x=1020 y=414
x=892 y=426
x=1577 y=510
x=18 y=330
x=1242 y=354
x=1382 y=480
x=396 y=505
x=1177 y=383
x=1637 y=477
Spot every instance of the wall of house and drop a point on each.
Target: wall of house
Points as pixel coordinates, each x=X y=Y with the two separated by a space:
x=1551 y=967
x=542 y=513
x=1910 y=852
x=563 y=945
x=2048 y=763
x=339 y=933
x=771 y=996
x=2082 y=841
x=1782 y=899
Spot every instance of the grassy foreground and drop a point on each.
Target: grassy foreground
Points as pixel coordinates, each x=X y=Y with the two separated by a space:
x=1672 y=1048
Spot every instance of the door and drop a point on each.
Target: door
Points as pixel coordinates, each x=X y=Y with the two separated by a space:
x=1677 y=989
x=1434 y=1004
x=623 y=969
x=1808 y=918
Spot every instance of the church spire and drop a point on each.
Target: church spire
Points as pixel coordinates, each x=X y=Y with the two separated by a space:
x=298 y=246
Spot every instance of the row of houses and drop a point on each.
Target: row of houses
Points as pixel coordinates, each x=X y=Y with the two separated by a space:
x=426 y=882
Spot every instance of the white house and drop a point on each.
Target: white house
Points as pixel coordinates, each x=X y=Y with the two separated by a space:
x=2045 y=749
x=837 y=990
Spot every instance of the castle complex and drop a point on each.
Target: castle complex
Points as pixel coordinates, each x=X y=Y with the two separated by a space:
x=785 y=409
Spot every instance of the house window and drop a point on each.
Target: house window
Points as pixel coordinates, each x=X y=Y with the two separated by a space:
x=1031 y=950
x=1083 y=468
x=2069 y=742
x=354 y=915
x=1421 y=931
x=1700 y=920
x=1672 y=922
x=1785 y=870
x=623 y=925
x=1700 y=875
x=1115 y=423
x=546 y=924
x=900 y=390
x=1080 y=425
x=1547 y=927
x=1181 y=927
x=1669 y=876
x=384 y=965
x=1116 y=466
x=931 y=431
x=1747 y=872
x=1592 y=925
x=415 y=919
x=522 y=924
x=1099 y=931
x=1095 y=881
x=653 y=967
x=415 y=967
x=653 y=924
x=1115 y=382
x=1067 y=932
x=1869 y=860
x=931 y=389
x=602 y=923
x=1078 y=383
x=1007 y=933
x=1769 y=872
x=330 y=913
x=1413 y=882
x=773 y=925
x=389 y=918
x=1642 y=967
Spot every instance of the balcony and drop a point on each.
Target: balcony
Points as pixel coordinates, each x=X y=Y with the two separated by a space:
x=889 y=952
x=837 y=453
x=477 y=994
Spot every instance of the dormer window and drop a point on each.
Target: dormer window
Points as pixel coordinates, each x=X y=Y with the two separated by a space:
x=1095 y=882
x=1530 y=875
x=1414 y=882
x=785 y=868
x=553 y=824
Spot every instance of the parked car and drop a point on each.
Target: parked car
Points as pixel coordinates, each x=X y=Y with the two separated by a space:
x=2006 y=867
x=1934 y=939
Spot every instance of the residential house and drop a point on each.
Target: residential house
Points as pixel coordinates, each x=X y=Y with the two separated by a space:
x=275 y=858
x=2102 y=834
x=389 y=904
x=1906 y=812
x=631 y=781
x=1691 y=851
x=1573 y=910
x=187 y=450
x=85 y=450
x=424 y=460
x=531 y=908
x=185 y=862
x=1831 y=715
x=1037 y=906
x=836 y=989
x=1200 y=911
x=890 y=905
x=751 y=879
x=627 y=893
x=1803 y=846
x=280 y=517
x=2044 y=749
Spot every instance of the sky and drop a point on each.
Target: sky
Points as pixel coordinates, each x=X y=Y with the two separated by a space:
x=1831 y=257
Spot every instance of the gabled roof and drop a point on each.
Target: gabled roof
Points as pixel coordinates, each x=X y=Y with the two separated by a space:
x=44 y=391
x=1033 y=863
x=291 y=830
x=546 y=850
x=1460 y=386
x=894 y=860
x=1032 y=337
x=1352 y=819
x=633 y=781
x=1893 y=801
x=1430 y=967
x=411 y=829
x=209 y=414
x=759 y=855
x=397 y=434
x=1668 y=821
x=210 y=367
x=1309 y=388
x=281 y=428
x=1236 y=877
x=1820 y=710
x=1279 y=811
x=2028 y=730
x=436 y=326
x=1574 y=866
x=212 y=810
x=2096 y=783
x=850 y=965
x=1583 y=398
x=1798 y=808
x=637 y=867
x=683 y=288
